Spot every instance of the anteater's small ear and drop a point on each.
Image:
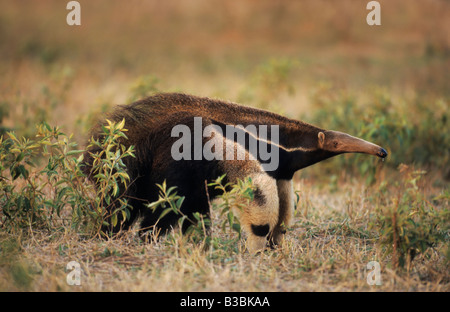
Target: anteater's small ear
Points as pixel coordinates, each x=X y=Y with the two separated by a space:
x=321 y=136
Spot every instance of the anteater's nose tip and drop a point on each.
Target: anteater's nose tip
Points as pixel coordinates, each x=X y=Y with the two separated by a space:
x=382 y=153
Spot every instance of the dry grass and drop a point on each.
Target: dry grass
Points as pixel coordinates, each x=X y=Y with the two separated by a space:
x=327 y=249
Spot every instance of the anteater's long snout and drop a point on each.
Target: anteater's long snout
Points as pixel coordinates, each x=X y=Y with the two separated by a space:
x=345 y=143
x=362 y=146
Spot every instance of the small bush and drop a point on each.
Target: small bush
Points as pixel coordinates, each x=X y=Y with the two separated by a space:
x=41 y=178
x=110 y=176
x=30 y=197
x=409 y=223
x=168 y=201
x=234 y=197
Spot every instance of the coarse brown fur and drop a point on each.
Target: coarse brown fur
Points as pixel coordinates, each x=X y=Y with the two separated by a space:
x=150 y=122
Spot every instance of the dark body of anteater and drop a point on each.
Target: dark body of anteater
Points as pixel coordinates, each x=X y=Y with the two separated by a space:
x=150 y=123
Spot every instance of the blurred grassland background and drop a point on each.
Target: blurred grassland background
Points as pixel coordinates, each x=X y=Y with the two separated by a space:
x=317 y=61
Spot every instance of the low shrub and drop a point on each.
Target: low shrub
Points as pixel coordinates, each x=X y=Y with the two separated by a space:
x=41 y=178
x=408 y=222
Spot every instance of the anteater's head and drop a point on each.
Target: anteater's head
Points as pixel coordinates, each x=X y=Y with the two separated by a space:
x=337 y=142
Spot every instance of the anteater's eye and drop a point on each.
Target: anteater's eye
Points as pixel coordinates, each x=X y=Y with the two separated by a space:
x=335 y=143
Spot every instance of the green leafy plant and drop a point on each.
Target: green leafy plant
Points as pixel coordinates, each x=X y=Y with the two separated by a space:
x=233 y=196
x=40 y=178
x=409 y=224
x=168 y=201
x=32 y=196
x=110 y=175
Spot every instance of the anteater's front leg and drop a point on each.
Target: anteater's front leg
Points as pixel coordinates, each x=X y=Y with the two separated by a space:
x=260 y=217
x=286 y=211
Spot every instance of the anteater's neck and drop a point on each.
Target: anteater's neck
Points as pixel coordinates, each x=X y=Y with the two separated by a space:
x=293 y=160
x=299 y=149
